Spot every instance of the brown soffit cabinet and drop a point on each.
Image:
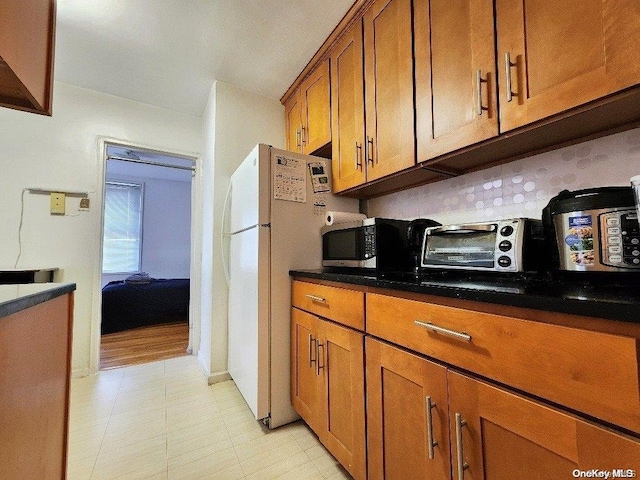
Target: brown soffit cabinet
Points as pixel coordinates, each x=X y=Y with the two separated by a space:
x=27 y=37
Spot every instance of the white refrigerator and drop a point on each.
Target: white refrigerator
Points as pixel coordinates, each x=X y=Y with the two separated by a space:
x=277 y=203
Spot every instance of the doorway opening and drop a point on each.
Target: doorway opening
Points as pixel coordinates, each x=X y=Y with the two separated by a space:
x=146 y=256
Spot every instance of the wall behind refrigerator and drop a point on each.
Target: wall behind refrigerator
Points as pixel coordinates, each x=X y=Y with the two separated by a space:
x=234 y=121
x=521 y=188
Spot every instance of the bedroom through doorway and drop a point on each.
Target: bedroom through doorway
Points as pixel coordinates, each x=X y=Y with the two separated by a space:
x=146 y=256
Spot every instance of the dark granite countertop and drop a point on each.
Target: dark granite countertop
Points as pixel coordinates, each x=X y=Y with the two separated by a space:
x=610 y=300
x=14 y=298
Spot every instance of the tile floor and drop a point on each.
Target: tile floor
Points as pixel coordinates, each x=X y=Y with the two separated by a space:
x=161 y=421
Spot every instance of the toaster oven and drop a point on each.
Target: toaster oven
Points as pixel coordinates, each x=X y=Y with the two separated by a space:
x=513 y=245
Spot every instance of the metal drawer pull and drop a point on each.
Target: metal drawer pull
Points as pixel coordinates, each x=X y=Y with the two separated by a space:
x=318 y=366
x=444 y=331
x=312 y=360
x=479 y=82
x=316 y=299
x=430 y=441
x=507 y=65
x=462 y=465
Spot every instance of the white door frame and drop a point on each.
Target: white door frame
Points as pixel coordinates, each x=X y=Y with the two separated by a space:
x=196 y=245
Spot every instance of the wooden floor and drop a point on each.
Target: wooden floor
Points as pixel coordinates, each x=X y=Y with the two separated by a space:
x=143 y=345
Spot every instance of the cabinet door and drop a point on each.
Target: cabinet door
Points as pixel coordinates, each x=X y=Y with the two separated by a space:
x=501 y=435
x=563 y=53
x=293 y=123
x=455 y=75
x=406 y=409
x=341 y=351
x=305 y=386
x=27 y=38
x=315 y=94
x=388 y=60
x=347 y=112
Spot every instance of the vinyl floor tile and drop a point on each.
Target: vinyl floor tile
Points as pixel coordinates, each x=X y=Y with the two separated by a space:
x=161 y=421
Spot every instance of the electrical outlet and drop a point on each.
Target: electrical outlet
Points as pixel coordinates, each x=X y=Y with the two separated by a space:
x=57 y=203
x=84 y=205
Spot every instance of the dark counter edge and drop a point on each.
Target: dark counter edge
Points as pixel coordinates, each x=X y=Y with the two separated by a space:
x=625 y=311
x=30 y=300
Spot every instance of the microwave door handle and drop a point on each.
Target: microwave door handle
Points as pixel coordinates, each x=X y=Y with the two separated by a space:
x=463 y=228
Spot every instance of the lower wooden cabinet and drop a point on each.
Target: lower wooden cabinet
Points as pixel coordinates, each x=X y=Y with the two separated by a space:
x=35 y=366
x=327 y=376
x=486 y=431
x=406 y=413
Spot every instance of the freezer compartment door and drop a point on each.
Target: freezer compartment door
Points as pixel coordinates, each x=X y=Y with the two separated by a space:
x=250 y=191
x=249 y=317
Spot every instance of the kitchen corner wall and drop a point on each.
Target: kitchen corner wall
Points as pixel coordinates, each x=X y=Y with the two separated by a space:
x=521 y=188
x=61 y=152
x=234 y=121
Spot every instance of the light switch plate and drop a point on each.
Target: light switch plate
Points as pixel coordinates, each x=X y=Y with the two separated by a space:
x=57 y=203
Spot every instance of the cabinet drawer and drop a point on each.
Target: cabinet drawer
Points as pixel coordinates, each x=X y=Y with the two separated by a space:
x=337 y=304
x=592 y=372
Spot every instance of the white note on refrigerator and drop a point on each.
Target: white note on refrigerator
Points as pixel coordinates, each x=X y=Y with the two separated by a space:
x=290 y=181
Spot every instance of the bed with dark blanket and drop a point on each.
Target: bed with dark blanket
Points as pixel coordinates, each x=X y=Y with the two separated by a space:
x=128 y=305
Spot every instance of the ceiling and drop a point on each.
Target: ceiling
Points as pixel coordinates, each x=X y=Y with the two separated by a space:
x=168 y=53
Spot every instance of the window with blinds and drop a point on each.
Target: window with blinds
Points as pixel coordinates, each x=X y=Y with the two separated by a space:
x=122 y=228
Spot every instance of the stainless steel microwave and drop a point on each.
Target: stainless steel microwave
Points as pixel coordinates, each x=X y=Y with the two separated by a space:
x=513 y=245
x=372 y=243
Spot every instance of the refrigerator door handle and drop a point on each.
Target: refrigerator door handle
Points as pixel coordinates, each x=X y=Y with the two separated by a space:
x=225 y=261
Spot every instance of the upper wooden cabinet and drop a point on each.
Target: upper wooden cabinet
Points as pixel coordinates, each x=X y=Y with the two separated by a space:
x=429 y=89
x=347 y=112
x=293 y=123
x=554 y=55
x=308 y=113
x=456 y=101
x=27 y=33
x=388 y=66
x=372 y=92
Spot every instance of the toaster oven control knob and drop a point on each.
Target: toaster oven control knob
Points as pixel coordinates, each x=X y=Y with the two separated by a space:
x=505 y=246
x=504 y=261
x=506 y=231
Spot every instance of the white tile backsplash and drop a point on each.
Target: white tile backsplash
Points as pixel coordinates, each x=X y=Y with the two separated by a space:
x=521 y=188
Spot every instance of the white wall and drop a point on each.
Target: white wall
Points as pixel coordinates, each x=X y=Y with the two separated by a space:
x=521 y=188
x=235 y=120
x=166 y=227
x=61 y=152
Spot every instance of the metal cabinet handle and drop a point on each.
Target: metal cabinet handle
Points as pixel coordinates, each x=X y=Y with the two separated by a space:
x=479 y=82
x=316 y=298
x=444 y=331
x=370 y=150
x=462 y=465
x=298 y=137
x=358 y=156
x=318 y=366
x=431 y=443
x=312 y=341
x=305 y=132
x=507 y=65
